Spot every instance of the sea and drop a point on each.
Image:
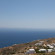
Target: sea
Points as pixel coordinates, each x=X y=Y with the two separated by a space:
x=9 y=37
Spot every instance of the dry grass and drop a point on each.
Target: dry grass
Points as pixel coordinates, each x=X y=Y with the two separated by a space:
x=44 y=54
x=37 y=54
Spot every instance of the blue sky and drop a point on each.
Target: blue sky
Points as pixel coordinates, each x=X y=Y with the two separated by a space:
x=36 y=14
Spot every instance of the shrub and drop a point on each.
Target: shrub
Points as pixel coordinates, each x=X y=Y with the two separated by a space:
x=37 y=50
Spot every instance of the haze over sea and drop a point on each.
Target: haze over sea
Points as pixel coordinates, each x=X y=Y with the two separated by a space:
x=9 y=37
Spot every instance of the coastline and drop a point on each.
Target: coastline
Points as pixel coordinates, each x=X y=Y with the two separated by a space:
x=21 y=48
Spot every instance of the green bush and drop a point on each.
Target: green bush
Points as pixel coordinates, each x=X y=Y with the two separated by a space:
x=37 y=51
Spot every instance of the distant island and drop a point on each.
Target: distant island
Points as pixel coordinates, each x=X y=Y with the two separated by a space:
x=37 y=47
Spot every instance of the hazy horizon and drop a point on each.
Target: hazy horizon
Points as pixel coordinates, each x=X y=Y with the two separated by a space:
x=27 y=14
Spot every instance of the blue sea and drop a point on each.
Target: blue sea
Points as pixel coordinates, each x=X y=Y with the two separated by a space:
x=9 y=37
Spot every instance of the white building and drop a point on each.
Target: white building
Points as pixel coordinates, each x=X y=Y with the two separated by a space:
x=49 y=50
x=41 y=41
x=38 y=44
x=53 y=44
x=54 y=49
x=50 y=46
x=42 y=50
x=30 y=51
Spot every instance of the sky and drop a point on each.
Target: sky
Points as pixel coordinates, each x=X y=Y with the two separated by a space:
x=33 y=14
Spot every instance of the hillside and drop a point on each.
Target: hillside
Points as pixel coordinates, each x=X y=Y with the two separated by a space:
x=20 y=49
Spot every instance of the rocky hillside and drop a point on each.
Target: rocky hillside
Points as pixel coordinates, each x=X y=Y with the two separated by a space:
x=20 y=49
